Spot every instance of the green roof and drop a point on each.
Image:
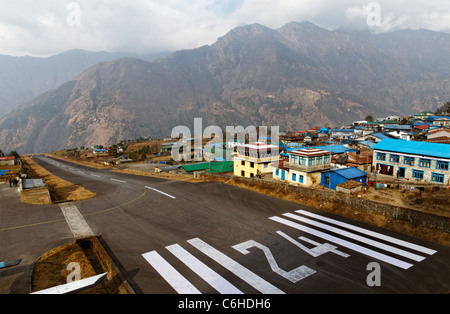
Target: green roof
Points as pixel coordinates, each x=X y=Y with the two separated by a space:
x=221 y=166
x=213 y=167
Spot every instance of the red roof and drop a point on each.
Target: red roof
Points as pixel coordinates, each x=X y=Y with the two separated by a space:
x=7 y=158
x=422 y=127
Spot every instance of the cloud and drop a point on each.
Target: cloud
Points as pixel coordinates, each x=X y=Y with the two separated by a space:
x=42 y=28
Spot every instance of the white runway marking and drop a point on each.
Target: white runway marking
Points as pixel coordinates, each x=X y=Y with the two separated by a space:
x=118 y=180
x=170 y=274
x=356 y=237
x=248 y=276
x=345 y=243
x=211 y=277
x=370 y=233
x=153 y=189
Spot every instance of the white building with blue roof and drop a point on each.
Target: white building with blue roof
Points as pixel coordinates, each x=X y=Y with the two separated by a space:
x=417 y=161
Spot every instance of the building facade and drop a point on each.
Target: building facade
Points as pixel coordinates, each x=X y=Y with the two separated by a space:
x=303 y=167
x=254 y=159
x=331 y=179
x=419 y=161
x=7 y=161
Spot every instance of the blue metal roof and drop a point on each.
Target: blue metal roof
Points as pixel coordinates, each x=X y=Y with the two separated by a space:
x=380 y=135
x=367 y=143
x=350 y=173
x=415 y=148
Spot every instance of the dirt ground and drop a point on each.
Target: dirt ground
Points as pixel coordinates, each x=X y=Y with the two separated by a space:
x=51 y=269
x=60 y=190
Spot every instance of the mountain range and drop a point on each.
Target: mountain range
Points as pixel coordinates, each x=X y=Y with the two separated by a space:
x=295 y=77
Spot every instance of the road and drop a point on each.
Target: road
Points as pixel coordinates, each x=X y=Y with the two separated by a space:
x=172 y=237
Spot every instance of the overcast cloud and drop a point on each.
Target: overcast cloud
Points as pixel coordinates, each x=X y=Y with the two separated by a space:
x=46 y=27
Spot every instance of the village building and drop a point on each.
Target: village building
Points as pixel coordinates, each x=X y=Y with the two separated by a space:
x=439 y=135
x=359 y=159
x=343 y=133
x=332 y=179
x=255 y=159
x=7 y=161
x=440 y=121
x=302 y=167
x=411 y=160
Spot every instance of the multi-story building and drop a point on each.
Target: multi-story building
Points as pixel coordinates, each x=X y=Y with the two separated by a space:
x=255 y=158
x=421 y=161
x=304 y=167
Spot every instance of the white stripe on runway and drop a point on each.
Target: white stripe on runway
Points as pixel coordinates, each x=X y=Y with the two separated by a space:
x=170 y=274
x=370 y=233
x=95 y=175
x=118 y=180
x=153 y=189
x=356 y=237
x=248 y=276
x=211 y=277
x=344 y=243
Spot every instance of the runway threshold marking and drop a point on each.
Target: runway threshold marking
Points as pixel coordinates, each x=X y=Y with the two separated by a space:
x=380 y=236
x=363 y=236
x=170 y=274
x=216 y=281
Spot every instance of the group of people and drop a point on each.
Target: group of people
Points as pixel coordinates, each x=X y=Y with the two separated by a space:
x=13 y=182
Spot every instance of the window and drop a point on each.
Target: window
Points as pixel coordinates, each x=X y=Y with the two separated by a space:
x=381 y=156
x=252 y=165
x=294 y=177
x=294 y=159
x=437 y=177
x=302 y=161
x=277 y=172
x=417 y=174
x=242 y=163
x=394 y=159
x=319 y=160
x=409 y=161
x=442 y=165
x=300 y=178
x=326 y=159
x=426 y=163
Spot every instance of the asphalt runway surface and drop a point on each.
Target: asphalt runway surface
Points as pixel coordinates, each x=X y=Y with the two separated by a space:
x=170 y=237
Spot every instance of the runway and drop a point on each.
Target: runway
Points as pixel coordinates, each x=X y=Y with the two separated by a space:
x=170 y=237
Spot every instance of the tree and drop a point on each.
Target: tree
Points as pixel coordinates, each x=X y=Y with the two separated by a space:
x=369 y=118
x=14 y=154
x=444 y=109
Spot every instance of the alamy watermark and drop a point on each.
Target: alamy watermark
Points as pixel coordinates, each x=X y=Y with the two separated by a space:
x=74 y=17
x=190 y=144
x=75 y=272
x=374 y=277
x=374 y=17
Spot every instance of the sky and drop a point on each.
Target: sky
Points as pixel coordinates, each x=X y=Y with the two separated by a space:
x=46 y=27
